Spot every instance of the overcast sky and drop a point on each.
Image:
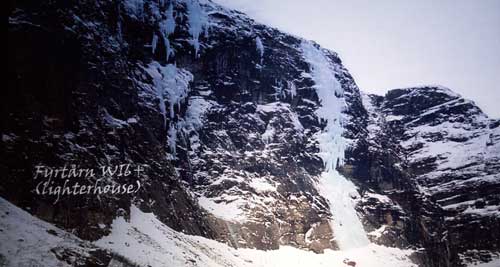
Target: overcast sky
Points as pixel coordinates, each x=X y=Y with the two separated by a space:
x=389 y=44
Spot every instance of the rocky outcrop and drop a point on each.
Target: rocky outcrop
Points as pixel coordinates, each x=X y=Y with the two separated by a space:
x=168 y=85
x=430 y=151
x=452 y=150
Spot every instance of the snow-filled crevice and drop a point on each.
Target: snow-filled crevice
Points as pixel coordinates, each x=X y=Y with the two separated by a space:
x=347 y=227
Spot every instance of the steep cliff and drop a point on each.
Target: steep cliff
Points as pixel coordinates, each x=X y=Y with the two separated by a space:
x=248 y=136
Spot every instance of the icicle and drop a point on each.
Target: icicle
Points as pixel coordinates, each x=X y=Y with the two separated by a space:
x=168 y=49
x=167 y=27
x=197 y=20
x=171 y=84
x=176 y=85
x=292 y=88
x=154 y=43
x=170 y=20
x=172 y=139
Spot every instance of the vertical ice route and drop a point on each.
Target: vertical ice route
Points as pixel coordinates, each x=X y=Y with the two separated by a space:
x=347 y=228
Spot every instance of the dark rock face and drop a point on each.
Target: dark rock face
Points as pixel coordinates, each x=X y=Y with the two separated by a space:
x=222 y=111
x=89 y=96
x=69 y=81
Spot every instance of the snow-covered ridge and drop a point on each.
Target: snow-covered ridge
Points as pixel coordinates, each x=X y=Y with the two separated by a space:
x=427 y=88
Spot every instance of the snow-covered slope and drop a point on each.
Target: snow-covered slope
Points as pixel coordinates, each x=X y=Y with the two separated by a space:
x=143 y=240
x=29 y=241
x=147 y=241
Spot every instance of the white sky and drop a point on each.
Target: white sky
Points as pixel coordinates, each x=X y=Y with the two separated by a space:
x=389 y=44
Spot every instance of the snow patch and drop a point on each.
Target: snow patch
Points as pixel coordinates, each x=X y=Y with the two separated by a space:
x=228 y=208
x=377 y=233
x=262 y=185
x=393 y=118
x=267 y=136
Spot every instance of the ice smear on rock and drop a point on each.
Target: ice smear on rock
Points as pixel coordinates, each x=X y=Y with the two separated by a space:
x=170 y=84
